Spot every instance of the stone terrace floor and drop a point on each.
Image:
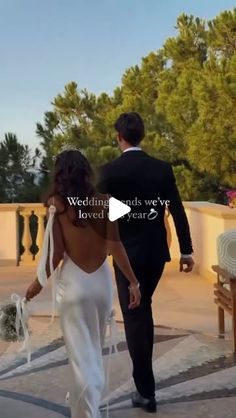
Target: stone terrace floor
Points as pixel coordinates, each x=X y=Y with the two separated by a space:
x=195 y=371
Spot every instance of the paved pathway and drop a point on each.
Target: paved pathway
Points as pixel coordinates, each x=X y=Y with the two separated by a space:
x=195 y=371
x=181 y=300
x=192 y=371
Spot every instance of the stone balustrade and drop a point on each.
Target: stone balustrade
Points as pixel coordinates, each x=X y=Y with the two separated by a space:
x=26 y=211
x=207 y=221
x=19 y=232
x=22 y=232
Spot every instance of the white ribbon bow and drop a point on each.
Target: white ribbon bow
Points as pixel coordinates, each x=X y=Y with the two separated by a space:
x=22 y=316
x=48 y=246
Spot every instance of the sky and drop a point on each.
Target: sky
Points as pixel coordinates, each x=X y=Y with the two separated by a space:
x=45 y=44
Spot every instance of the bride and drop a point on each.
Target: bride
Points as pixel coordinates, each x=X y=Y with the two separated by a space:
x=82 y=238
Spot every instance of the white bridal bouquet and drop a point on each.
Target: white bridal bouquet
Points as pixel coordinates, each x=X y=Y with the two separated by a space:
x=14 y=320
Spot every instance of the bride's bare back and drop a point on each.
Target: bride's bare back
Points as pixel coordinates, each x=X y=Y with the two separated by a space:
x=86 y=243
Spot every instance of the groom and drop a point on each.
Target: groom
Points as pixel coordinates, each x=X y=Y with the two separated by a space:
x=148 y=186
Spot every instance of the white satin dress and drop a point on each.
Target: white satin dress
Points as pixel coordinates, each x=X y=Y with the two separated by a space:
x=84 y=303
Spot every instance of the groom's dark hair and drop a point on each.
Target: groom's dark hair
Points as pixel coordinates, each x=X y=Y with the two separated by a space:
x=130 y=126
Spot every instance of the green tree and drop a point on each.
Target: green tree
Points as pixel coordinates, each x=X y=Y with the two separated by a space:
x=81 y=120
x=185 y=92
x=17 y=171
x=197 y=102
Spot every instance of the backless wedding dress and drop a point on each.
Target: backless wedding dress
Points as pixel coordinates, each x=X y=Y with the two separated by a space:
x=84 y=303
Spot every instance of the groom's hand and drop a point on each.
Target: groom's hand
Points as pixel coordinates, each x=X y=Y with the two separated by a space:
x=188 y=261
x=135 y=297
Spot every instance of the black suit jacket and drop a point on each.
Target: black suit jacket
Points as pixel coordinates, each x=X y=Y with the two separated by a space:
x=137 y=179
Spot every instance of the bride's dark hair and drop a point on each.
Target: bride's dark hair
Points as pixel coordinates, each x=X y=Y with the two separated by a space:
x=72 y=177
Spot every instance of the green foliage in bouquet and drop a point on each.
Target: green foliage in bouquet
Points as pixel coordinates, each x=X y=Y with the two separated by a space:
x=8 y=323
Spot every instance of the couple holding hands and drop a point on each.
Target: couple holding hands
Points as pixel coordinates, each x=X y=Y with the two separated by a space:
x=139 y=248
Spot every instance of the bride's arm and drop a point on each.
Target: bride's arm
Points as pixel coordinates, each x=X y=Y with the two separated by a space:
x=117 y=250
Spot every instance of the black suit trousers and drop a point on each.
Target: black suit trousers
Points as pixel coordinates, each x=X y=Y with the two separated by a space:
x=139 y=327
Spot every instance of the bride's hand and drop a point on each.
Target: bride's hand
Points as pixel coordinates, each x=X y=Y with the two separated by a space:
x=33 y=290
x=135 y=296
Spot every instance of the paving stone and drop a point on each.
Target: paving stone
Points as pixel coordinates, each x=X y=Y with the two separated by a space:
x=195 y=371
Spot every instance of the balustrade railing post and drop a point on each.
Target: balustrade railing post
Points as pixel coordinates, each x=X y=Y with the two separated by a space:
x=27 y=256
x=40 y=233
x=28 y=238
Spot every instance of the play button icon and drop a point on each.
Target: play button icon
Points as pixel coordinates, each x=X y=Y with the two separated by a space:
x=117 y=209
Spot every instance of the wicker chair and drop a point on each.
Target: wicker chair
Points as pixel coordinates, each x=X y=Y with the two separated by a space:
x=225 y=298
x=225 y=287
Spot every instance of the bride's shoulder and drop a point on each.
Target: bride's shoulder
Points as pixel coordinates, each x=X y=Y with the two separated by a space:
x=101 y=200
x=56 y=201
x=102 y=197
